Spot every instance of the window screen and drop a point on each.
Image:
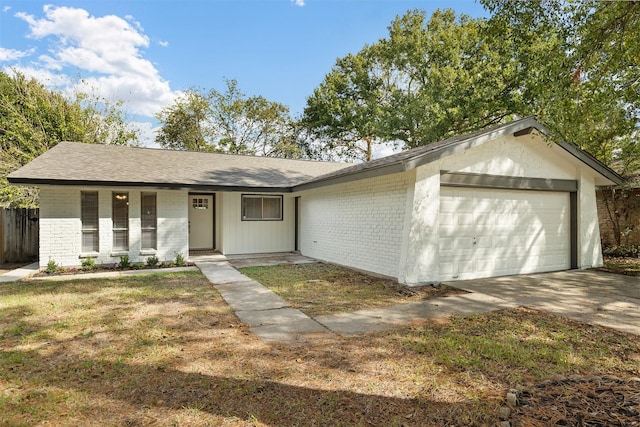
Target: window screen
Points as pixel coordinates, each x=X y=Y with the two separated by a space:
x=149 y=220
x=89 y=219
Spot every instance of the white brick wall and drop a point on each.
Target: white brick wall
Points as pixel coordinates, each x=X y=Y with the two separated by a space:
x=359 y=224
x=60 y=226
x=60 y=238
x=173 y=224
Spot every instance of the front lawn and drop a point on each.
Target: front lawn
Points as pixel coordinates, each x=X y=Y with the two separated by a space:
x=320 y=288
x=166 y=350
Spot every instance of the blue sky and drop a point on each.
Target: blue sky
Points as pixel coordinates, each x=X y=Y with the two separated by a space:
x=145 y=52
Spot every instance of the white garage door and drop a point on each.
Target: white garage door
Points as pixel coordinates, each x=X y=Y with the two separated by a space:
x=486 y=232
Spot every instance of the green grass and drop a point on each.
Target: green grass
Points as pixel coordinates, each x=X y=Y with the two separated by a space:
x=166 y=350
x=320 y=288
x=523 y=345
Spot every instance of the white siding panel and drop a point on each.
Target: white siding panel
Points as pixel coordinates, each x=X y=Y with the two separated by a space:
x=502 y=232
x=248 y=237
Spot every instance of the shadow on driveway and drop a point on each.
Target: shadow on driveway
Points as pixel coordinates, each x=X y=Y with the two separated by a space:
x=589 y=296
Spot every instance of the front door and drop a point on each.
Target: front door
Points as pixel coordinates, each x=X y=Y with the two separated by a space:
x=201 y=222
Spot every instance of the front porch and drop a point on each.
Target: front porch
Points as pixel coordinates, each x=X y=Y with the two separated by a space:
x=249 y=260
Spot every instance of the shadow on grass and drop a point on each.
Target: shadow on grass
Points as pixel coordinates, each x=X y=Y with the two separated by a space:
x=251 y=400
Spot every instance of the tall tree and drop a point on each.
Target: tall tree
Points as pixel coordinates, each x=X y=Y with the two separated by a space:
x=579 y=68
x=345 y=112
x=429 y=79
x=186 y=123
x=228 y=121
x=33 y=119
x=448 y=76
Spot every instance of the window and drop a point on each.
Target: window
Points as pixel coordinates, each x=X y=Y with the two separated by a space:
x=261 y=208
x=200 y=203
x=120 y=221
x=149 y=220
x=89 y=219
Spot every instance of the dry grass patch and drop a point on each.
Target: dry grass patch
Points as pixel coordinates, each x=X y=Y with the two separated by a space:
x=319 y=288
x=166 y=350
x=629 y=266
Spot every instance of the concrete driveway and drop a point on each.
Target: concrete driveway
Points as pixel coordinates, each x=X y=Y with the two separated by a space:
x=589 y=296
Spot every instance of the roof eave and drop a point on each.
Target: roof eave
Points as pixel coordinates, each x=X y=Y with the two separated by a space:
x=153 y=185
x=403 y=165
x=585 y=157
x=387 y=169
x=448 y=150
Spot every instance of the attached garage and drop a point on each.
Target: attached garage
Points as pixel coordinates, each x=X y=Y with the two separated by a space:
x=501 y=202
x=495 y=232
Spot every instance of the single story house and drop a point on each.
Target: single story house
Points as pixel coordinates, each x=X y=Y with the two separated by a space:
x=498 y=201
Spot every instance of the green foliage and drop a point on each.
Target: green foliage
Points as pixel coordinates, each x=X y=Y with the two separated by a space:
x=34 y=118
x=153 y=261
x=578 y=71
x=180 y=261
x=429 y=79
x=622 y=251
x=52 y=267
x=344 y=111
x=228 y=122
x=447 y=76
x=573 y=64
x=124 y=262
x=89 y=264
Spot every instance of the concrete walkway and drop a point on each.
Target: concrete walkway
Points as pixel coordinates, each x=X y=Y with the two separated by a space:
x=384 y=318
x=269 y=316
x=272 y=319
x=20 y=273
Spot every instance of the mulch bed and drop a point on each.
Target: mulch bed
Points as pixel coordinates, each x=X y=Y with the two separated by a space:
x=579 y=401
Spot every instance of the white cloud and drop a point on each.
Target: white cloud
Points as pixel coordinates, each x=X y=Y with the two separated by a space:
x=13 y=54
x=106 y=51
x=44 y=76
x=384 y=150
x=163 y=43
x=146 y=134
x=143 y=96
x=299 y=3
x=6 y=8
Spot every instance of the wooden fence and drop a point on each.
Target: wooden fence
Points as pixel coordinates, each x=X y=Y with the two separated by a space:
x=18 y=235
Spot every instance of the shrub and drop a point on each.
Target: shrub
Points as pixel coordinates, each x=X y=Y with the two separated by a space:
x=630 y=251
x=153 y=261
x=89 y=264
x=124 y=262
x=180 y=262
x=52 y=267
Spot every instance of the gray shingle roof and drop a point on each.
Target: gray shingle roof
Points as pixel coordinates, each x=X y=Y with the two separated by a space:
x=96 y=164
x=71 y=163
